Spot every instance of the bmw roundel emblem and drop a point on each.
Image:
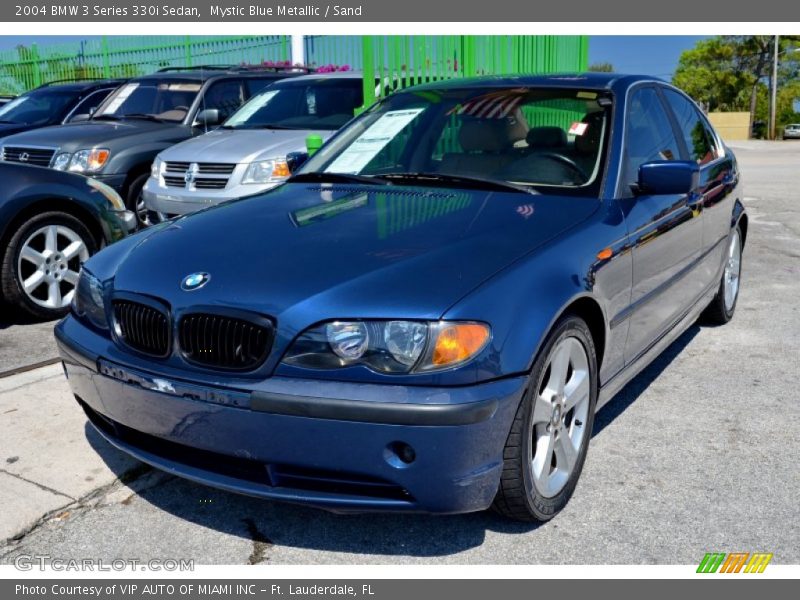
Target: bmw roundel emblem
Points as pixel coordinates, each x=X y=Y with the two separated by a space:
x=194 y=281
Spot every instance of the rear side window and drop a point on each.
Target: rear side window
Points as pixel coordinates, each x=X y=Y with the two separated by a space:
x=649 y=134
x=699 y=140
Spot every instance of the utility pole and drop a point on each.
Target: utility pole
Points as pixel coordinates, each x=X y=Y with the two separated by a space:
x=773 y=91
x=298 y=50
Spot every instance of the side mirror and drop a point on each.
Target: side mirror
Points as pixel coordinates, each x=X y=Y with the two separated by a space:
x=207 y=118
x=295 y=160
x=80 y=118
x=667 y=177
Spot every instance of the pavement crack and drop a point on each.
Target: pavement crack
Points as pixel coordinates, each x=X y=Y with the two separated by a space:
x=82 y=504
x=261 y=543
x=38 y=485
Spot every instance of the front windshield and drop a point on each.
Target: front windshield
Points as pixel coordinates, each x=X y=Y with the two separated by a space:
x=165 y=100
x=324 y=104
x=524 y=136
x=38 y=107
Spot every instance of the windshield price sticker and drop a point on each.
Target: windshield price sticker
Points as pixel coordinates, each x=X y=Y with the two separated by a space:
x=123 y=95
x=373 y=140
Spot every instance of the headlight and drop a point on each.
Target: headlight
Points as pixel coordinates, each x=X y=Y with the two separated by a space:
x=89 y=161
x=110 y=193
x=61 y=161
x=88 y=302
x=389 y=346
x=155 y=168
x=267 y=171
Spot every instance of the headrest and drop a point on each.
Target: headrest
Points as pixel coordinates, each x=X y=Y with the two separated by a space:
x=546 y=137
x=490 y=135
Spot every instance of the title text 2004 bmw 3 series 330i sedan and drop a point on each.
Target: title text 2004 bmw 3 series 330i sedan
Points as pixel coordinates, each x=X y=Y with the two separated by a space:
x=428 y=314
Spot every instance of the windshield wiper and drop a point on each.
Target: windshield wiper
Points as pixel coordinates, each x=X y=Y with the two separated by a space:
x=143 y=116
x=323 y=177
x=107 y=117
x=446 y=179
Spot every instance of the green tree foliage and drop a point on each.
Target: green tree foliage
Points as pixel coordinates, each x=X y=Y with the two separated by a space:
x=731 y=73
x=602 y=67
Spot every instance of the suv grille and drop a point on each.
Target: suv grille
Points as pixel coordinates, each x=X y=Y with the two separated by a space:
x=143 y=327
x=224 y=342
x=40 y=157
x=197 y=176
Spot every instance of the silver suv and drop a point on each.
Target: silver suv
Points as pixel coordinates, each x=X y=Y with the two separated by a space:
x=248 y=153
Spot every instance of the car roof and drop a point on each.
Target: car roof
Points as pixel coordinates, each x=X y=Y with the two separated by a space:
x=598 y=81
x=80 y=86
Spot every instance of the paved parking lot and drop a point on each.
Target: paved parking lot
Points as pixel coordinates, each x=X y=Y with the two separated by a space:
x=699 y=453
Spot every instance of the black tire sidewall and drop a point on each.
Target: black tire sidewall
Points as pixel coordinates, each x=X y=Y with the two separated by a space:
x=134 y=190
x=9 y=276
x=544 y=508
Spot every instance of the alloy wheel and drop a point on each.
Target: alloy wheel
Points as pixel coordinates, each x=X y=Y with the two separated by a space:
x=733 y=270
x=48 y=265
x=560 y=416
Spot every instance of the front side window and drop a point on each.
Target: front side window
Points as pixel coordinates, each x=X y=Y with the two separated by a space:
x=89 y=105
x=537 y=137
x=699 y=140
x=321 y=104
x=162 y=100
x=649 y=135
x=225 y=96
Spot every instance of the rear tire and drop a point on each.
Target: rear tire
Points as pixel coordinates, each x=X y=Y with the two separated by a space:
x=39 y=269
x=546 y=448
x=722 y=307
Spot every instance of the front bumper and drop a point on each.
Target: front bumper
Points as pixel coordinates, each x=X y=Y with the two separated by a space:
x=337 y=446
x=168 y=202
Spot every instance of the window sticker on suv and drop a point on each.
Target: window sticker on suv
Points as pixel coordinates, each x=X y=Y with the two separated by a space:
x=121 y=96
x=373 y=140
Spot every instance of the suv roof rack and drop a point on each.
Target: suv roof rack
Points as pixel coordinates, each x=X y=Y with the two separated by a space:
x=80 y=80
x=237 y=68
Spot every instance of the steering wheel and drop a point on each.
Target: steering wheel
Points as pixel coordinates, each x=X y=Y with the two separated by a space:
x=181 y=107
x=565 y=160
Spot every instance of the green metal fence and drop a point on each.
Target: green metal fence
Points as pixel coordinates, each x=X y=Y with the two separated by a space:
x=27 y=67
x=410 y=60
x=403 y=60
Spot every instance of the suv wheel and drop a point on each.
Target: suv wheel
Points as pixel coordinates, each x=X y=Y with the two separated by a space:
x=39 y=270
x=135 y=200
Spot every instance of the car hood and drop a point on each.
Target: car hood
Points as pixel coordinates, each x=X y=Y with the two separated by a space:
x=7 y=129
x=113 y=134
x=240 y=146
x=305 y=253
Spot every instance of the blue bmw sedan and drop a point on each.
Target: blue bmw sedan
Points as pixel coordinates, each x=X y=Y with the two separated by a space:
x=428 y=314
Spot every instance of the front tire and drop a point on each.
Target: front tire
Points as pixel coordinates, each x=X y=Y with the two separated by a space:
x=135 y=200
x=722 y=307
x=39 y=270
x=546 y=448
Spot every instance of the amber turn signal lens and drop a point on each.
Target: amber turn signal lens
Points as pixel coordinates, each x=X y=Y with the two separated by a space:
x=281 y=169
x=458 y=342
x=97 y=158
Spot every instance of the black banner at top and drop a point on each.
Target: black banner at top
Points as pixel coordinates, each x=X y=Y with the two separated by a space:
x=394 y=11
